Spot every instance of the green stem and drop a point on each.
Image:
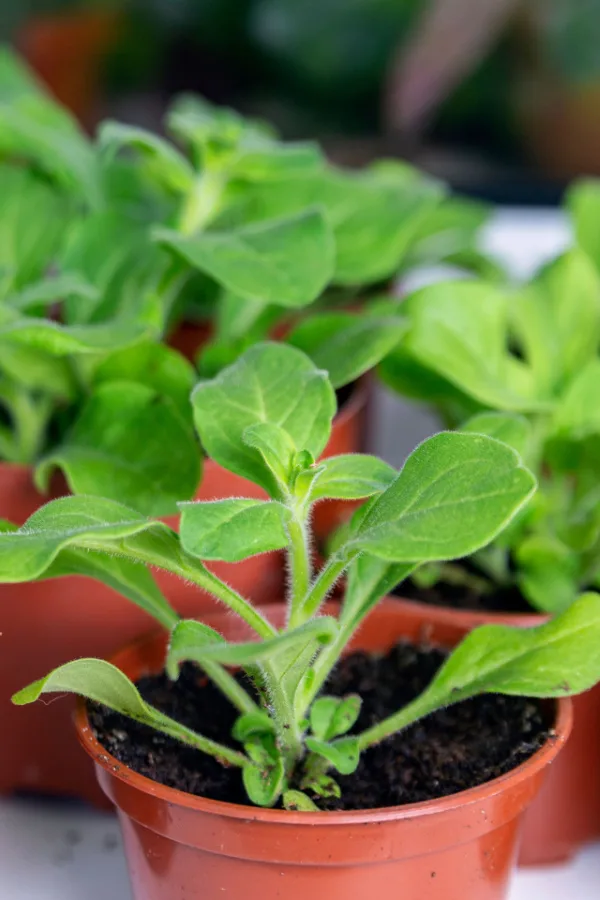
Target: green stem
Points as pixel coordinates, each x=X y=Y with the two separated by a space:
x=416 y=710
x=289 y=736
x=187 y=736
x=227 y=684
x=300 y=567
x=202 y=203
x=321 y=587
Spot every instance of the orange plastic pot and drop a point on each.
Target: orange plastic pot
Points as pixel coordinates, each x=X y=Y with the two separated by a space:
x=566 y=813
x=182 y=846
x=52 y=622
x=67 y=51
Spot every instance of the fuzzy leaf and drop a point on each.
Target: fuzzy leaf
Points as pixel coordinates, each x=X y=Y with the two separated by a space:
x=251 y=724
x=287 y=262
x=233 y=529
x=347 y=345
x=128 y=444
x=343 y=754
x=270 y=383
x=352 y=476
x=509 y=428
x=455 y=493
x=86 y=523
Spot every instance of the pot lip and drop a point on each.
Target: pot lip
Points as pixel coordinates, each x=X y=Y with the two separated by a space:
x=471 y=617
x=560 y=731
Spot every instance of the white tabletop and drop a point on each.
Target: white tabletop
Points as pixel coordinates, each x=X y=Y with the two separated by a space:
x=61 y=851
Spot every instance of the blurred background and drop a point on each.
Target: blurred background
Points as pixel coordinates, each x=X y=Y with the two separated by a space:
x=500 y=97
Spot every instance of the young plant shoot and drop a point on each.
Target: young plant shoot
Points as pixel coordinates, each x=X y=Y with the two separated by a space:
x=267 y=417
x=523 y=366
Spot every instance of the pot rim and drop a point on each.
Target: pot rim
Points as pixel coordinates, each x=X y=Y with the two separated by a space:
x=472 y=617
x=559 y=732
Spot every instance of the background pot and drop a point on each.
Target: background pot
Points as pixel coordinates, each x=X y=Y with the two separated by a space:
x=67 y=51
x=460 y=846
x=566 y=813
x=51 y=622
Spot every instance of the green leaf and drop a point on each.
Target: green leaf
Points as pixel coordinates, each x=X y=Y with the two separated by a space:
x=249 y=724
x=459 y=330
x=233 y=529
x=352 y=476
x=102 y=682
x=347 y=345
x=551 y=660
x=297 y=801
x=270 y=383
x=189 y=642
x=333 y=716
x=40 y=294
x=128 y=444
x=343 y=754
x=288 y=262
x=86 y=523
x=323 y=786
x=455 y=493
x=577 y=413
x=583 y=203
x=55 y=339
x=265 y=779
x=33 y=223
x=184 y=633
x=557 y=319
x=513 y=430
x=154 y=365
x=275 y=446
x=547 y=573
x=166 y=164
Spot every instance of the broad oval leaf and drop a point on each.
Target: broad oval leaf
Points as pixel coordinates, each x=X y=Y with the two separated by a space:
x=264 y=783
x=351 y=476
x=347 y=345
x=88 y=523
x=455 y=493
x=288 y=262
x=270 y=383
x=129 y=444
x=233 y=529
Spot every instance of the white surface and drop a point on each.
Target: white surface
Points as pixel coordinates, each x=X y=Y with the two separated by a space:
x=61 y=852
x=64 y=852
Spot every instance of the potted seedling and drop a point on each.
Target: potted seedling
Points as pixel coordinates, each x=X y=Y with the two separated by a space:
x=523 y=366
x=242 y=753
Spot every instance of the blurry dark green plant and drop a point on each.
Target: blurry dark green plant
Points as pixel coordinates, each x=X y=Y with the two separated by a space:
x=455 y=493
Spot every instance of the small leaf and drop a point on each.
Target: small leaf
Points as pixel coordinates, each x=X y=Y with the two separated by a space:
x=352 y=476
x=288 y=262
x=128 y=444
x=296 y=801
x=343 y=754
x=270 y=383
x=577 y=413
x=583 y=202
x=250 y=724
x=345 y=716
x=547 y=573
x=187 y=633
x=275 y=446
x=323 y=786
x=455 y=493
x=233 y=530
x=347 y=345
x=62 y=340
x=264 y=779
x=321 y=715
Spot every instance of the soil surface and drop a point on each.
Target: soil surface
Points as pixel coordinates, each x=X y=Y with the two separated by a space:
x=449 y=751
x=501 y=600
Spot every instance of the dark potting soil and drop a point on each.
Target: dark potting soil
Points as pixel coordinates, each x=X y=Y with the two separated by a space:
x=500 y=600
x=449 y=751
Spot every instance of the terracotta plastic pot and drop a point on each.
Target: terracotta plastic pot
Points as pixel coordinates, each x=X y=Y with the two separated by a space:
x=67 y=51
x=183 y=846
x=566 y=813
x=52 y=622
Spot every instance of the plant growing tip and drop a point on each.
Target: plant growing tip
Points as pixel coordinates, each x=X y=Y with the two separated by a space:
x=267 y=417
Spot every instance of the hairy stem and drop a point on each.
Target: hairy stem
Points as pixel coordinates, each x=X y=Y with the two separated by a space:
x=228 y=686
x=300 y=567
x=321 y=587
x=416 y=710
x=211 y=748
x=289 y=735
